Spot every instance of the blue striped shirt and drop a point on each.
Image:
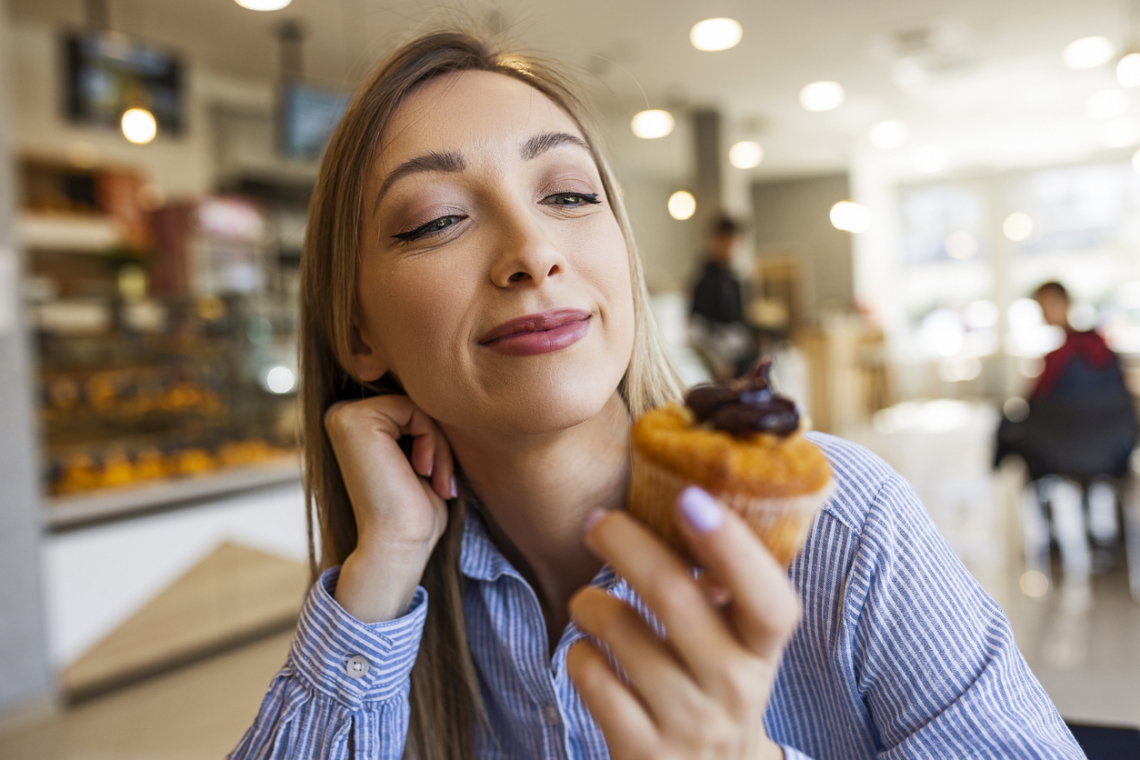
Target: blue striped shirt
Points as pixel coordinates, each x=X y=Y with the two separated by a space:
x=900 y=654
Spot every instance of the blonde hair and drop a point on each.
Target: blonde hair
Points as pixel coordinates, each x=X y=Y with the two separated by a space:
x=444 y=714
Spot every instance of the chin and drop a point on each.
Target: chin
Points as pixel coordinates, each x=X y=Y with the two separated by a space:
x=555 y=401
x=531 y=403
x=538 y=415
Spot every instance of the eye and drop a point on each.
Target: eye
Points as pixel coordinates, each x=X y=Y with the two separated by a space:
x=434 y=227
x=571 y=200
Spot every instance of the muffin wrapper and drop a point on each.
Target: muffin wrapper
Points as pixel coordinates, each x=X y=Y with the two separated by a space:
x=781 y=523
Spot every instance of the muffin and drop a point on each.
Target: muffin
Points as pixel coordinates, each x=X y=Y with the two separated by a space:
x=743 y=444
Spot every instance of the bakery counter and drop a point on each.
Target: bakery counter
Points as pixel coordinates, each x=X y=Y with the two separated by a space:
x=75 y=511
x=146 y=578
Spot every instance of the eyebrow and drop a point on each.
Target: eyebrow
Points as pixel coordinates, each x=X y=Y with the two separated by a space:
x=432 y=162
x=536 y=146
x=451 y=162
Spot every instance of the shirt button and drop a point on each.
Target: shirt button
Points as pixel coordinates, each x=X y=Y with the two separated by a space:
x=356 y=667
x=552 y=714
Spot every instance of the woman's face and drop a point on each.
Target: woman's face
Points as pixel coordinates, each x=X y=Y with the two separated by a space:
x=493 y=279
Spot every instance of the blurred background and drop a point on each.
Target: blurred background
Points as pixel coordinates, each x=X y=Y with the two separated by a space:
x=868 y=192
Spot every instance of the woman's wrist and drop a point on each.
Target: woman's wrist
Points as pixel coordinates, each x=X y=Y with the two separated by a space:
x=377 y=586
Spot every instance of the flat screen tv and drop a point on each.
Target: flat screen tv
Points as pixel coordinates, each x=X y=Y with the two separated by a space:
x=108 y=73
x=308 y=116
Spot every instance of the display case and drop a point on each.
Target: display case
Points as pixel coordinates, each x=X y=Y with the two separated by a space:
x=165 y=341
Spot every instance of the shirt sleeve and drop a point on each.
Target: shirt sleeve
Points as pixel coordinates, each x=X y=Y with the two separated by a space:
x=344 y=689
x=935 y=661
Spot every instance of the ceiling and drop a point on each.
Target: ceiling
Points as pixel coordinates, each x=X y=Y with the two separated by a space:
x=983 y=80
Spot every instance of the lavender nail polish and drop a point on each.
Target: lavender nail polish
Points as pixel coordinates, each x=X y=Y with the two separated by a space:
x=593 y=518
x=701 y=510
x=454 y=490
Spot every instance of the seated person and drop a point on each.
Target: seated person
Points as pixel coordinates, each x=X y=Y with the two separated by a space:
x=1084 y=367
x=1081 y=421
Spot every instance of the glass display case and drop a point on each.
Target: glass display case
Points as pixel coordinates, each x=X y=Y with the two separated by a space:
x=165 y=341
x=205 y=386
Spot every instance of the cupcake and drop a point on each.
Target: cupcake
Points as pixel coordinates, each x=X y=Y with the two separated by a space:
x=742 y=443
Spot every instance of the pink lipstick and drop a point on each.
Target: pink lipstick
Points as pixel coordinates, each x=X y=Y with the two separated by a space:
x=538 y=333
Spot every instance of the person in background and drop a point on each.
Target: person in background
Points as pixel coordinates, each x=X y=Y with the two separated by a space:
x=1076 y=437
x=717 y=330
x=1084 y=366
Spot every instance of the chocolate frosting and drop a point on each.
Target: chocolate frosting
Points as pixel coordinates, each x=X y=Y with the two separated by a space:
x=746 y=407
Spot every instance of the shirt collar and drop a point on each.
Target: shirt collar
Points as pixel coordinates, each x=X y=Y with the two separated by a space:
x=481 y=560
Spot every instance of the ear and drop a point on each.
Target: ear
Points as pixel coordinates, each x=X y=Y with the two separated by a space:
x=367 y=365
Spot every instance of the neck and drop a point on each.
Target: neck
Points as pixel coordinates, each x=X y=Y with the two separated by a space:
x=537 y=490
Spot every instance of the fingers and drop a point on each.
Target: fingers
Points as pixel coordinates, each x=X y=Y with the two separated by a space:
x=396 y=416
x=653 y=670
x=626 y=726
x=431 y=456
x=693 y=626
x=443 y=474
x=764 y=607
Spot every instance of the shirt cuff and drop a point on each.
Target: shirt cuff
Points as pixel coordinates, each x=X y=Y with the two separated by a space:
x=351 y=661
x=791 y=753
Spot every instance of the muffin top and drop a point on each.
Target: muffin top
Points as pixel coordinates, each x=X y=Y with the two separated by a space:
x=739 y=437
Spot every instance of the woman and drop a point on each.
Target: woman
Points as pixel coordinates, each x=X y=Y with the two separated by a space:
x=470 y=285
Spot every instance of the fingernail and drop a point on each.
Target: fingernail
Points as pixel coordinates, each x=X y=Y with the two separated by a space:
x=700 y=509
x=454 y=490
x=593 y=518
x=431 y=466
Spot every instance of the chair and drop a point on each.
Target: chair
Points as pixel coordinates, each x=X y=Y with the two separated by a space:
x=1107 y=742
x=1073 y=449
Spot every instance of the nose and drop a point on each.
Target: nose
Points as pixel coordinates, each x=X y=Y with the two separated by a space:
x=527 y=254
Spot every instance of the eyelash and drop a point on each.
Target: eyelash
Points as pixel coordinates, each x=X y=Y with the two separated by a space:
x=434 y=227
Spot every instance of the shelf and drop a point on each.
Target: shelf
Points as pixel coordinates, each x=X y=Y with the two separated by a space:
x=64 y=513
x=68 y=232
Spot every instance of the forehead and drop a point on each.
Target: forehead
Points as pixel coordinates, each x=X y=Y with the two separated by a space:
x=469 y=112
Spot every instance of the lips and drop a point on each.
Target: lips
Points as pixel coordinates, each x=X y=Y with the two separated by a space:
x=538 y=333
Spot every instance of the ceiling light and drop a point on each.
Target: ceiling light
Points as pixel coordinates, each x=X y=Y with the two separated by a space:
x=889 y=134
x=716 y=34
x=1018 y=226
x=822 y=96
x=263 y=5
x=1128 y=70
x=930 y=159
x=649 y=125
x=139 y=126
x=1107 y=104
x=682 y=205
x=1088 y=52
x=746 y=154
x=280 y=380
x=850 y=217
x=961 y=245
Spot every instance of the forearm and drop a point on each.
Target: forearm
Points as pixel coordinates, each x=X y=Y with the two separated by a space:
x=344 y=690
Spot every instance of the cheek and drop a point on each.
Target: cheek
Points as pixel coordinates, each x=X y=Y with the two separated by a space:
x=609 y=269
x=414 y=314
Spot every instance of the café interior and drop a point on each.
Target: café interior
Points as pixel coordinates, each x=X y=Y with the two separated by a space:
x=903 y=176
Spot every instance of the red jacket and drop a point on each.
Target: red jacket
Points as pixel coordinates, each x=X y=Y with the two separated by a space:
x=1089 y=346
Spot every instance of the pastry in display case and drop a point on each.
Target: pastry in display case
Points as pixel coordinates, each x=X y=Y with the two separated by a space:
x=120 y=408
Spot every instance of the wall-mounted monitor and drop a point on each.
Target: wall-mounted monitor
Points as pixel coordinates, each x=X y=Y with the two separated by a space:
x=107 y=73
x=308 y=116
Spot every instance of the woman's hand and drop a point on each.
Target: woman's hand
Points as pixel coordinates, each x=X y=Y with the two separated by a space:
x=399 y=505
x=701 y=692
